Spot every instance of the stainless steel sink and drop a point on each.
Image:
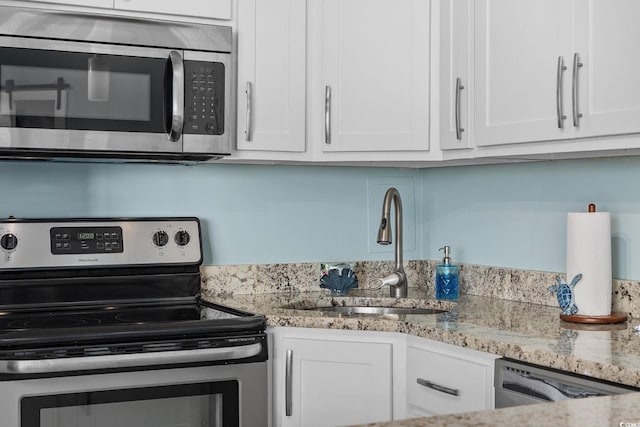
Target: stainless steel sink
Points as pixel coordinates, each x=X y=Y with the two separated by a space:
x=353 y=310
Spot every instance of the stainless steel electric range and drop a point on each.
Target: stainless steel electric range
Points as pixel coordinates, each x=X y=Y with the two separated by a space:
x=101 y=324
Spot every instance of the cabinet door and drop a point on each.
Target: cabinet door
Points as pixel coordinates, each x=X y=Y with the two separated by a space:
x=338 y=382
x=375 y=75
x=271 y=75
x=456 y=88
x=91 y=3
x=219 y=9
x=518 y=43
x=607 y=35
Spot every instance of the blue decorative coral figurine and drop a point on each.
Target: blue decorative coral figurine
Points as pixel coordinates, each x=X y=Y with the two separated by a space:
x=339 y=278
x=564 y=292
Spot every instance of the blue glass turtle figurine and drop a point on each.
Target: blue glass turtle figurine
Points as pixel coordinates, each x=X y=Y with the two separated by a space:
x=564 y=292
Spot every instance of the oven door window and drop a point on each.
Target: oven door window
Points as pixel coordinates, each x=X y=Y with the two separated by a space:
x=185 y=405
x=82 y=91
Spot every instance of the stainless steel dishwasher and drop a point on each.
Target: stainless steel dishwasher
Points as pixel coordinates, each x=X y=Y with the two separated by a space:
x=518 y=383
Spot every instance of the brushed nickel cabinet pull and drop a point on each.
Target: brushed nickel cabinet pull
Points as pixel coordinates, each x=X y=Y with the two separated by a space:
x=437 y=387
x=327 y=114
x=249 y=112
x=459 y=88
x=288 y=383
x=560 y=70
x=574 y=89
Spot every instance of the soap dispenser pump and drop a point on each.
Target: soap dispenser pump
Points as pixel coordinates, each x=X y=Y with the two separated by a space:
x=446 y=277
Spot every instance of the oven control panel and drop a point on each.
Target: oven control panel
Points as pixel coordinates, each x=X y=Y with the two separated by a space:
x=85 y=240
x=99 y=242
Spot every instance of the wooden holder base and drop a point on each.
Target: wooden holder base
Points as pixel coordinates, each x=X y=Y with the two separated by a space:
x=577 y=318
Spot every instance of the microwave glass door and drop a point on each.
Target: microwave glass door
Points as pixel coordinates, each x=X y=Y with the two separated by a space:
x=57 y=89
x=213 y=404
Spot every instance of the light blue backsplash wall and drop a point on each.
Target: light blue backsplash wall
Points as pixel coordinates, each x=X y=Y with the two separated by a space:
x=249 y=213
x=515 y=215
x=503 y=215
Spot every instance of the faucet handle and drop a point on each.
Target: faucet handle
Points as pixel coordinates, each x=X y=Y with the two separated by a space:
x=377 y=283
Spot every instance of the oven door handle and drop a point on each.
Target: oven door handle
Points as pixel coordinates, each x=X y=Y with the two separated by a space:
x=129 y=360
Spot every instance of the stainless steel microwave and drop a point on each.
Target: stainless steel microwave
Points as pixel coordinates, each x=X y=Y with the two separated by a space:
x=100 y=86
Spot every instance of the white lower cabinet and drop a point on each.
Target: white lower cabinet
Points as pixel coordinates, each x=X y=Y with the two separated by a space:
x=331 y=377
x=446 y=379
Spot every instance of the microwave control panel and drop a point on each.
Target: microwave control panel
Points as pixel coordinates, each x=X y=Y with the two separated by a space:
x=204 y=98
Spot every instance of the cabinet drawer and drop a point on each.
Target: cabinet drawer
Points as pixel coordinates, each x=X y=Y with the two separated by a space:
x=450 y=384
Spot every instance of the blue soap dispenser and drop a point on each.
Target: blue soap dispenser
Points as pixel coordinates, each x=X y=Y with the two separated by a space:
x=446 y=277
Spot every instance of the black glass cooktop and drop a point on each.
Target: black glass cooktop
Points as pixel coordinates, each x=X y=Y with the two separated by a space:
x=112 y=316
x=124 y=324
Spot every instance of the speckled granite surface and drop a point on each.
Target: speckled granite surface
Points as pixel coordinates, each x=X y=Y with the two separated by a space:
x=224 y=280
x=619 y=411
x=494 y=282
x=528 y=332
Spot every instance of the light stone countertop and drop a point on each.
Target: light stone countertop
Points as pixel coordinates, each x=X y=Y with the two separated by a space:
x=522 y=331
x=614 y=411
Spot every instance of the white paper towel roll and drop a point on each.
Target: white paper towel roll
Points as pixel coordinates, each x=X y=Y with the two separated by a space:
x=589 y=253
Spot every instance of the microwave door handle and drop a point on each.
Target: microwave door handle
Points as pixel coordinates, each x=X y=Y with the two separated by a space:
x=177 y=98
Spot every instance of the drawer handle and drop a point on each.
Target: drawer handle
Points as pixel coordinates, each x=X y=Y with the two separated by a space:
x=437 y=387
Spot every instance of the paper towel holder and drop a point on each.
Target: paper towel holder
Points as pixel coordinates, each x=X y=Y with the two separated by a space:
x=578 y=318
x=594 y=320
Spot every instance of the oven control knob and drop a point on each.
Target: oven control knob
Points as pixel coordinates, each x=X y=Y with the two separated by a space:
x=182 y=238
x=160 y=238
x=9 y=241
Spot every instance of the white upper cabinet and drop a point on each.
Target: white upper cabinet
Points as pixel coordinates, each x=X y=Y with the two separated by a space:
x=90 y=3
x=456 y=78
x=374 y=83
x=271 y=75
x=218 y=9
x=556 y=69
x=606 y=42
x=522 y=89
